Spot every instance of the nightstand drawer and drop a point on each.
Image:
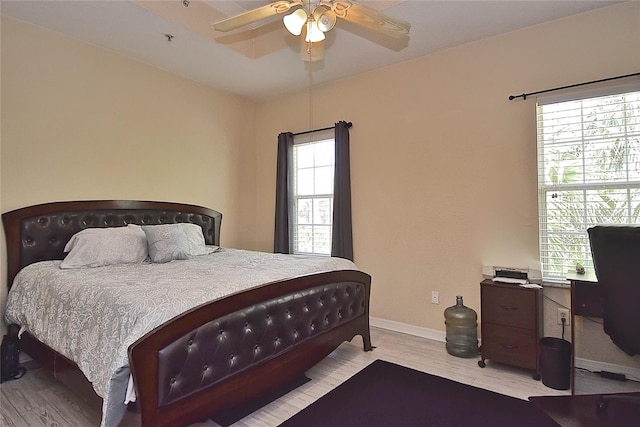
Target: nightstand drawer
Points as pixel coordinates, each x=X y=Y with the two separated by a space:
x=510 y=345
x=513 y=307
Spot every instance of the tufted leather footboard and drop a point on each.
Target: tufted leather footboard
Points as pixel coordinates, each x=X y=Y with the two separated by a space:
x=229 y=351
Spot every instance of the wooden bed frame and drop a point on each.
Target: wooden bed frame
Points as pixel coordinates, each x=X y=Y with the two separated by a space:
x=301 y=319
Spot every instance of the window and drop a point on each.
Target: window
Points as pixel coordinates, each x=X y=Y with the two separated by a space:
x=313 y=172
x=588 y=172
x=313 y=216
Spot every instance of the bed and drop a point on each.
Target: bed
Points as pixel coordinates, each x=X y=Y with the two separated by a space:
x=210 y=357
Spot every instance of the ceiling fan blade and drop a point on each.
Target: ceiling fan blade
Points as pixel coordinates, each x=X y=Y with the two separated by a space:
x=255 y=15
x=371 y=19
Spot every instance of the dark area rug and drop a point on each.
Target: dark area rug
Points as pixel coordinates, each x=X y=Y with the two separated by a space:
x=386 y=394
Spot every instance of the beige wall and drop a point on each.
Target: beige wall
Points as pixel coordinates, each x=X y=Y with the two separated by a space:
x=80 y=122
x=443 y=164
x=437 y=148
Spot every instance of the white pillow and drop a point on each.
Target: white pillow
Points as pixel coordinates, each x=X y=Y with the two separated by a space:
x=98 y=247
x=175 y=241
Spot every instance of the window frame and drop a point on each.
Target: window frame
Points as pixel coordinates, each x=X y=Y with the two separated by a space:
x=545 y=190
x=300 y=141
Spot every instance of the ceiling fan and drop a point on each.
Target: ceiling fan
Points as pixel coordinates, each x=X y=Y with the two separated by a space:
x=314 y=18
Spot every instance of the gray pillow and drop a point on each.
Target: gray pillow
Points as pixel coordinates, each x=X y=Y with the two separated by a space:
x=175 y=241
x=99 y=247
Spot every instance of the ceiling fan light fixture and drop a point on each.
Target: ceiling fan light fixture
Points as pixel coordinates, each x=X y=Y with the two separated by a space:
x=313 y=32
x=325 y=18
x=295 y=21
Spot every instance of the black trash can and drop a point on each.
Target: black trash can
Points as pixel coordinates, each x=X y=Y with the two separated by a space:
x=555 y=363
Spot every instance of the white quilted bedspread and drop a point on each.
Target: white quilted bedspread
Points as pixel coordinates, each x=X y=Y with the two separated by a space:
x=93 y=315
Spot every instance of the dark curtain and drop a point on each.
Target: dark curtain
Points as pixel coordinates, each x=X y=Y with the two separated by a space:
x=342 y=238
x=281 y=241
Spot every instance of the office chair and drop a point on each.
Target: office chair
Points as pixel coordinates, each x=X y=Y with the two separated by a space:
x=616 y=260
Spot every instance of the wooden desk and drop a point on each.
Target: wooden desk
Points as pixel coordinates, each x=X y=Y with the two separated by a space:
x=580 y=411
x=586 y=300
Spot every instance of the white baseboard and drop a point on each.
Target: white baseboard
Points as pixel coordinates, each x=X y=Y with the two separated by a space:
x=432 y=334
x=404 y=328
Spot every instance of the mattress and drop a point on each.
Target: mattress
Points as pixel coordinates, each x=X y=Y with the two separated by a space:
x=93 y=315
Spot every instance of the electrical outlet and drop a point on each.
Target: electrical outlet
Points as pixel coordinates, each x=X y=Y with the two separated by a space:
x=435 y=297
x=563 y=313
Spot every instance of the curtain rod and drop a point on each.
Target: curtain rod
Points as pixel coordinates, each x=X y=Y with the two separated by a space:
x=349 y=124
x=524 y=95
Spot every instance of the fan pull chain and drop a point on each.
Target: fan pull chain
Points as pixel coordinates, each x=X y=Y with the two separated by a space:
x=309 y=63
x=309 y=46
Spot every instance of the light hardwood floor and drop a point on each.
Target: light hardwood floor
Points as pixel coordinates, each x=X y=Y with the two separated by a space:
x=38 y=400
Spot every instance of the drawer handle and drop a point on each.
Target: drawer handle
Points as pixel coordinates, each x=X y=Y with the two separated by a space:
x=509 y=346
x=508 y=307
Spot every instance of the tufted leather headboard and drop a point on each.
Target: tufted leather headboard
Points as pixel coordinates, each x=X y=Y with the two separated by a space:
x=40 y=232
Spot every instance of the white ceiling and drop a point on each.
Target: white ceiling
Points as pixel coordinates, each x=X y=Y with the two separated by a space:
x=201 y=54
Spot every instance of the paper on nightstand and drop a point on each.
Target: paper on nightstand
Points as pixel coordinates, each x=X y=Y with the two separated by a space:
x=511 y=280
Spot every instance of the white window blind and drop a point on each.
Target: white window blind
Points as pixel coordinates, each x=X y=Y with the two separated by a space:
x=588 y=172
x=313 y=164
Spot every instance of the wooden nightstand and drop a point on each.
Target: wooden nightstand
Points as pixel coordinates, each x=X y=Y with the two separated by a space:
x=511 y=325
